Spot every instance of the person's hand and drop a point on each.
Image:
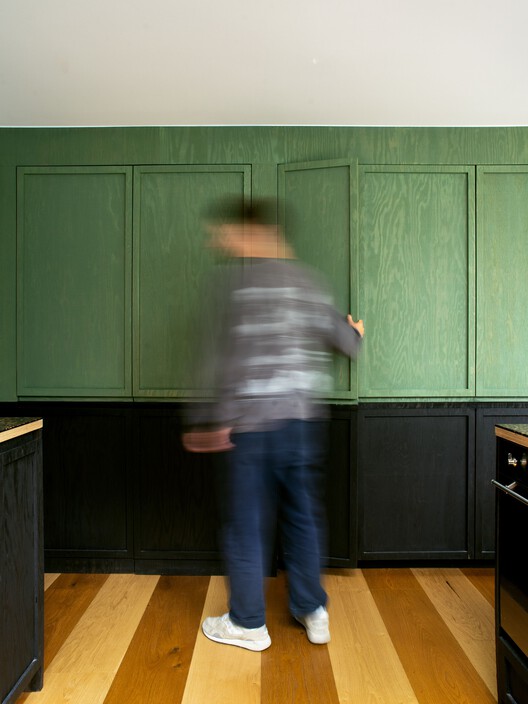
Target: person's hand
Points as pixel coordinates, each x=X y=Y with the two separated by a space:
x=357 y=326
x=207 y=440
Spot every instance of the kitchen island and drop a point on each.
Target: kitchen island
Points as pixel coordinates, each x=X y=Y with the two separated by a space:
x=21 y=558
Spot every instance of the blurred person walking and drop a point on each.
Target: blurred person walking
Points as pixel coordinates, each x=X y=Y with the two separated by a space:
x=274 y=367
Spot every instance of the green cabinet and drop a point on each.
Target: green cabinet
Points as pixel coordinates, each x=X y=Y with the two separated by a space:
x=416 y=272
x=319 y=211
x=502 y=265
x=74 y=281
x=112 y=267
x=171 y=269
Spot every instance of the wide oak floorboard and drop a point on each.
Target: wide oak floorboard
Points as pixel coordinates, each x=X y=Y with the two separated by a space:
x=157 y=662
x=438 y=669
x=293 y=669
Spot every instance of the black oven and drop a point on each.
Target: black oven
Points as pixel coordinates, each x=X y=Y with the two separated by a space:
x=512 y=567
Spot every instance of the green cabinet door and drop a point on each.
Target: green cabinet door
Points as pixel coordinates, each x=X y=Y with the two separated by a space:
x=502 y=266
x=318 y=211
x=416 y=268
x=73 y=268
x=172 y=268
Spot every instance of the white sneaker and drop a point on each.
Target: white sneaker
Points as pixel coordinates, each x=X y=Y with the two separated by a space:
x=317 y=625
x=222 y=630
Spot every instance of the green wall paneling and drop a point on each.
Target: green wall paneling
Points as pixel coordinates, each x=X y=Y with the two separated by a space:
x=502 y=266
x=318 y=211
x=172 y=270
x=8 y=284
x=74 y=261
x=416 y=269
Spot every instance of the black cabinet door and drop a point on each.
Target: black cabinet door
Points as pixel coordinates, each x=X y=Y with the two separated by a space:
x=176 y=496
x=340 y=496
x=87 y=515
x=415 y=477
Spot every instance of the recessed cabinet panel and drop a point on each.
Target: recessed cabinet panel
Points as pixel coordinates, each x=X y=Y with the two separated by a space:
x=415 y=484
x=502 y=258
x=318 y=215
x=416 y=268
x=74 y=296
x=172 y=271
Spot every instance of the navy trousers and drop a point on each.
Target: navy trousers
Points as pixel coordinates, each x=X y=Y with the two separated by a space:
x=274 y=481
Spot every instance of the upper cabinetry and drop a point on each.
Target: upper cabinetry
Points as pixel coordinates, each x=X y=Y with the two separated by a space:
x=101 y=295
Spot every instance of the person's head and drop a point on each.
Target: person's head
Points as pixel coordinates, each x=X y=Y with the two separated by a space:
x=245 y=229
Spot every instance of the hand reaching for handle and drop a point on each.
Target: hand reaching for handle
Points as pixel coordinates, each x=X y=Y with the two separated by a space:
x=359 y=327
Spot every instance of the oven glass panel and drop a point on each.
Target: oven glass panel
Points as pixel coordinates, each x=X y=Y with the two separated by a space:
x=513 y=566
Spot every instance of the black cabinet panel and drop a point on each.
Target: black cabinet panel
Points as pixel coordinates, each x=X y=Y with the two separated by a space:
x=175 y=506
x=86 y=483
x=340 y=470
x=415 y=500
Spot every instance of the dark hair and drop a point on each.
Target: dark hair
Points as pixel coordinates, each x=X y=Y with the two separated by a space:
x=235 y=210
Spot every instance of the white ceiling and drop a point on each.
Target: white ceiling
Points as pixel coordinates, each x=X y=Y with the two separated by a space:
x=206 y=62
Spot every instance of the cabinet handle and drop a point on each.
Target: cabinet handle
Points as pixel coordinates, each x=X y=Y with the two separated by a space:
x=509 y=490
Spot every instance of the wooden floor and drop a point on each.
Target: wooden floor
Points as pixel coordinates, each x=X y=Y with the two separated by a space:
x=399 y=636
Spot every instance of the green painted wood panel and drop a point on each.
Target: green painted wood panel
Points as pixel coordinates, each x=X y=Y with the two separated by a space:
x=74 y=283
x=8 y=327
x=172 y=267
x=502 y=266
x=318 y=203
x=416 y=254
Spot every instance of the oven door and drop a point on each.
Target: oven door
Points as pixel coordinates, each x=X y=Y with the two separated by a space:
x=512 y=561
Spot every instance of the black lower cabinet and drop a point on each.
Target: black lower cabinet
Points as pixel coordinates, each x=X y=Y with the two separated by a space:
x=88 y=515
x=21 y=567
x=401 y=482
x=180 y=496
x=176 y=498
x=415 y=497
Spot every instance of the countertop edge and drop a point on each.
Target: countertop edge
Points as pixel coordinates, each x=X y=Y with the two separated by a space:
x=511 y=435
x=20 y=430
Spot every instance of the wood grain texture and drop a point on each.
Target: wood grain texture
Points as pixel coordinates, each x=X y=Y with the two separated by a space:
x=139 y=639
x=319 y=201
x=438 y=669
x=74 y=281
x=157 y=661
x=293 y=669
x=410 y=473
x=264 y=148
x=84 y=668
x=366 y=667
x=172 y=268
x=483 y=579
x=221 y=674
x=65 y=603
x=469 y=617
x=416 y=285
x=49 y=578
x=502 y=336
